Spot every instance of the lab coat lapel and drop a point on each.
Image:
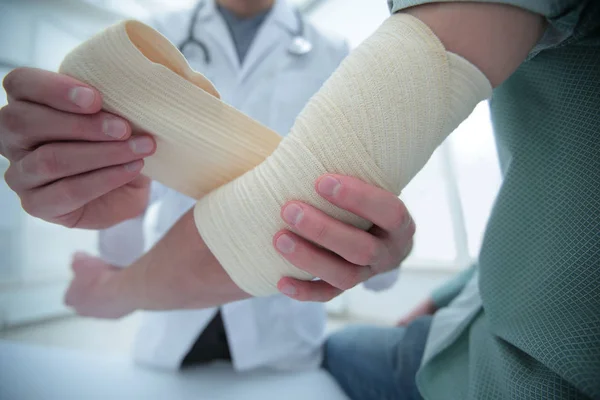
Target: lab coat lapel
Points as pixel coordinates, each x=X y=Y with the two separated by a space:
x=266 y=39
x=211 y=23
x=280 y=20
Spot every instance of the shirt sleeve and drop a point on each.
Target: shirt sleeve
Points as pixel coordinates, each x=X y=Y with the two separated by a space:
x=568 y=20
x=443 y=295
x=382 y=281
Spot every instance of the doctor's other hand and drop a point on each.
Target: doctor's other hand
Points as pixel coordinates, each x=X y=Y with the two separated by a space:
x=93 y=292
x=70 y=163
x=341 y=255
x=426 y=307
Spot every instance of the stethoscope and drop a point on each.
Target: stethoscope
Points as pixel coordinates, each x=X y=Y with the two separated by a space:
x=300 y=44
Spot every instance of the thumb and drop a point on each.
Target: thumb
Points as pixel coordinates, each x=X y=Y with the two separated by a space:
x=80 y=260
x=141 y=182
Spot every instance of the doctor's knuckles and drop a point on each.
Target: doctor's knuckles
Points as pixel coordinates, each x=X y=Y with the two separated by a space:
x=70 y=163
x=341 y=255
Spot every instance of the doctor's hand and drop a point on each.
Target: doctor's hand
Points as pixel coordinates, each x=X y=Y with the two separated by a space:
x=341 y=255
x=70 y=163
x=94 y=290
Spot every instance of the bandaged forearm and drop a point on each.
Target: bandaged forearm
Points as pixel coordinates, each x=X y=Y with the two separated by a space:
x=379 y=118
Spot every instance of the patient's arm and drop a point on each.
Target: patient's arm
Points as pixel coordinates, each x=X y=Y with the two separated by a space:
x=494 y=37
x=379 y=117
x=180 y=271
x=172 y=276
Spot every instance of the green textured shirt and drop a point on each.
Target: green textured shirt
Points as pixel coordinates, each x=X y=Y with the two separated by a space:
x=527 y=326
x=447 y=292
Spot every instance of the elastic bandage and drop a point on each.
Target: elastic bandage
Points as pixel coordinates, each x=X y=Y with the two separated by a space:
x=201 y=142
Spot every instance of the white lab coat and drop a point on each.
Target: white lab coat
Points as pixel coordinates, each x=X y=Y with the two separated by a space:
x=271 y=86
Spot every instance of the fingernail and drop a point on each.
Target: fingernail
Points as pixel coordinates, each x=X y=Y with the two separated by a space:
x=133 y=166
x=82 y=96
x=285 y=244
x=329 y=186
x=407 y=221
x=114 y=127
x=292 y=214
x=288 y=290
x=141 y=145
x=78 y=256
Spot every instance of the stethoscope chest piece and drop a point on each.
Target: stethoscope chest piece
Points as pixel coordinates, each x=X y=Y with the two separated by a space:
x=300 y=46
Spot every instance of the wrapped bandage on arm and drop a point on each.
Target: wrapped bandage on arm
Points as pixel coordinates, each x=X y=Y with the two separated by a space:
x=378 y=118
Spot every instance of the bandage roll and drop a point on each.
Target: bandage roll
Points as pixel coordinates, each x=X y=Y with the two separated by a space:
x=202 y=142
x=379 y=118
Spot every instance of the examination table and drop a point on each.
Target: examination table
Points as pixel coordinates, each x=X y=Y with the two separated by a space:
x=30 y=372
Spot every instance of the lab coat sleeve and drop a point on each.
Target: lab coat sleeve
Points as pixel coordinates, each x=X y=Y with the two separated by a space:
x=333 y=47
x=382 y=281
x=122 y=244
x=345 y=50
x=340 y=50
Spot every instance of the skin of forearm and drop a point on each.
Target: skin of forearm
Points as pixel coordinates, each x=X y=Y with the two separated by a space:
x=179 y=272
x=494 y=37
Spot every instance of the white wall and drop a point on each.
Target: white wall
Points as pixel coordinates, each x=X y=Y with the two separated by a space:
x=39 y=34
x=34 y=255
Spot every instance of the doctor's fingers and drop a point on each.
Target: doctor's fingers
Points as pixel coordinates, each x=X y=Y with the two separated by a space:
x=24 y=126
x=356 y=246
x=319 y=291
x=384 y=209
x=58 y=160
x=320 y=262
x=399 y=244
x=63 y=202
x=54 y=90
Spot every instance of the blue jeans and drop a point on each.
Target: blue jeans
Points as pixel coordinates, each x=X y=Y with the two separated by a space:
x=378 y=363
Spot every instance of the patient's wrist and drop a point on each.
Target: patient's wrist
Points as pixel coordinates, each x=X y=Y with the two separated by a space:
x=179 y=272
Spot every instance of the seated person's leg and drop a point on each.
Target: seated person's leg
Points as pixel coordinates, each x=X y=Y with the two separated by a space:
x=372 y=362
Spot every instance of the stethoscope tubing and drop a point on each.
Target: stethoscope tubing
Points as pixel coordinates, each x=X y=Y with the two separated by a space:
x=299 y=37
